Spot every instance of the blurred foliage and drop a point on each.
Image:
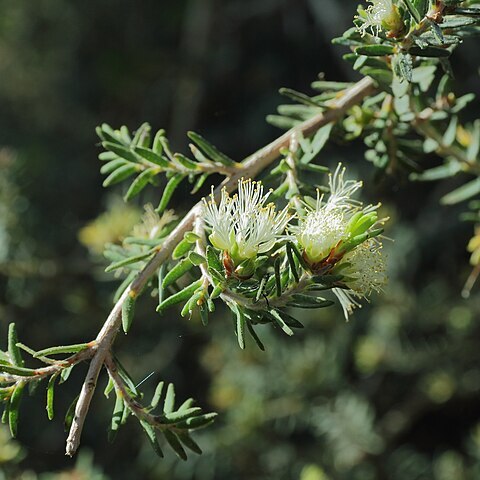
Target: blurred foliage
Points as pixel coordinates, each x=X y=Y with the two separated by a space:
x=393 y=394
x=109 y=227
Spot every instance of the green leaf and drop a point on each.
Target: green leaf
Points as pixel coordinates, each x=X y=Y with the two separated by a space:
x=181 y=296
x=278 y=278
x=198 y=422
x=188 y=403
x=113 y=165
x=152 y=437
x=210 y=150
x=199 y=183
x=421 y=6
x=306 y=301
x=157 y=146
x=142 y=135
x=254 y=335
x=192 y=304
x=299 y=97
x=170 y=188
x=128 y=311
x=125 y=135
x=290 y=321
x=382 y=77
x=180 y=416
x=191 y=237
x=13 y=350
x=157 y=395
x=50 y=396
x=106 y=133
x=181 y=249
x=434 y=52
x=117 y=415
x=318 y=142
x=13 y=370
x=5 y=393
x=313 y=168
x=169 y=403
x=153 y=157
x=126 y=378
x=196 y=258
x=451 y=132
x=424 y=76
x=108 y=156
x=140 y=183
x=455 y=21
x=122 y=152
x=291 y=263
x=108 y=389
x=301 y=112
x=122 y=287
x=180 y=269
x=120 y=174
x=261 y=288
x=128 y=261
x=185 y=162
x=61 y=349
x=161 y=276
x=375 y=50
x=175 y=444
x=323 y=85
x=474 y=147
x=404 y=66
x=436 y=32
x=462 y=193
x=411 y=7
x=462 y=102
x=240 y=324
x=5 y=412
x=69 y=415
x=213 y=259
x=284 y=123
x=298 y=255
x=277 y=318
x=4 y=359
x=374 y=62
x=468 y=11
x=185 y=438
x=65 y=374
x=13 y=409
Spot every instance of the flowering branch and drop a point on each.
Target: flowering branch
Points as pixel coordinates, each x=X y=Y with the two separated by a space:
x=251 y=167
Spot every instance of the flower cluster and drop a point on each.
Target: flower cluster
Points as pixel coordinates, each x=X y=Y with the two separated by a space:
x=336 y=235
x=381 y=15
x=324 y=226
x=244 y=225
x=339 y=236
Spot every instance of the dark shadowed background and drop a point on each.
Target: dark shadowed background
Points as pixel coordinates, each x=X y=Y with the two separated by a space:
x=393 y=394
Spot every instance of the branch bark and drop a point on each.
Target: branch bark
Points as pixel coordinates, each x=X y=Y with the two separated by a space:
x=250 y=168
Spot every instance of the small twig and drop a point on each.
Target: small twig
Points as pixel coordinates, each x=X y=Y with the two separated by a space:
x=423 y=126
x=53 y=369
x=292 y=174
x=252 y=166
x=137 y=408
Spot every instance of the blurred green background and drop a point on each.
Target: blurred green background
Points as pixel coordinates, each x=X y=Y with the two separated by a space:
x=393 y=394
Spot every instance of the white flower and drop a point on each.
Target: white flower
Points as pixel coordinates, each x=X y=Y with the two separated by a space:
x=321 y=230
x=364 y=272
x=244 y=225
x=152 y=224
x=381 y=15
